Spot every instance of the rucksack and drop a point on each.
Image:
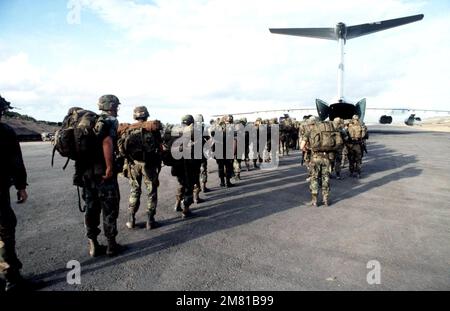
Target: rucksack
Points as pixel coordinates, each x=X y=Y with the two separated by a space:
x=171 y=134
x=140 y=141
x=76 y=139
x=356 y=131
x=325 y=137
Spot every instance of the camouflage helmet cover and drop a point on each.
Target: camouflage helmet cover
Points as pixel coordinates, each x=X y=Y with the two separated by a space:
x=311 y=120
x=187 y=119
x=140 y=113
x=229 y=118
x=199 y=118
x=338 y=121
x=108 y=102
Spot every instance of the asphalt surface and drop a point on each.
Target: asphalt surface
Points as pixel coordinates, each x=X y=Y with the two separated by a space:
x=260 y=235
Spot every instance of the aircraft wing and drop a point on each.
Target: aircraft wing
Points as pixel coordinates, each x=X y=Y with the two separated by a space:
x=262 y=111
x=365 y=29
x=320 y=33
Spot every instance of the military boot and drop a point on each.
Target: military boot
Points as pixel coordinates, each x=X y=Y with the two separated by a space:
x=113 y=248
x=338 y=176
x=197 y=198
x=15 y=282
x=151 y=222
x=222 y=181
x=186 y=212
x=178 y=204
x=237 y=176
x=204 y=188
x=131 y=222
x=95 y=249
x=229 y=184
x=314 y=200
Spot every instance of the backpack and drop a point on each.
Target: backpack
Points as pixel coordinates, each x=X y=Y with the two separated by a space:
x=171 y=134
x=356 y=131
x=325 y=137
x=140 y=141
x=76 y=139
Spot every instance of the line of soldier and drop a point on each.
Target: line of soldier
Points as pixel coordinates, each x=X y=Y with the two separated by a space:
x=99 y=178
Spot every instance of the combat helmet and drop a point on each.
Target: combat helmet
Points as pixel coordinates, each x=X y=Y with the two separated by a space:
x=228 y=118
x=187 y=119
x=338 y=121
x=243 y=121
x=311 y=120
x=140 y=113
x=199 y=118
x=108 y=102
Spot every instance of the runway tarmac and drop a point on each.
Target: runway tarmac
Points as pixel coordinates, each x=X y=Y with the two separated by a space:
x=260 y=235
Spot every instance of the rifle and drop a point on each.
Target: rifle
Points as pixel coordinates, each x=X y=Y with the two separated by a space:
x=303 y=158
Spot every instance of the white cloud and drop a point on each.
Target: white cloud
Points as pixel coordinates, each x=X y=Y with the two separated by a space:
x=218 y=56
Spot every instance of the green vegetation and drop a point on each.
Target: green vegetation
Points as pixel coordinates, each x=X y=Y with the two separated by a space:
x=18 y=116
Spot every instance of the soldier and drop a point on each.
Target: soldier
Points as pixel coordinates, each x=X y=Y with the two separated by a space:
x=225 y=165
x=13 y=173
x=187 y=171
x=306 y=125
x=144 y=165
x=204 y=162
x=257 y=157
x=320 y=165
x=339 y=124
x=100 y=187
x=237 y=164
x=356 y=133
x=345 y=150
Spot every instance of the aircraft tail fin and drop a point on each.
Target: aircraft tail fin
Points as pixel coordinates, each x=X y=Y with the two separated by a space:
x=319 y=33
x=361 y=108
x=365 y=29
x=322 y=109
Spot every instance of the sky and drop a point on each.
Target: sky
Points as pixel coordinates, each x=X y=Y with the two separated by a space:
x=211 y=57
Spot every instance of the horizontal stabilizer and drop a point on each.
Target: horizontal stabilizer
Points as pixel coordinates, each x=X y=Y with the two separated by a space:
x=365 y=29
x=320 y=33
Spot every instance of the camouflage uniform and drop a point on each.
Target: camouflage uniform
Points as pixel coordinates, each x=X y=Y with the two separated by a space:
x=237 y=164
x=146 y=168
x=306 y=154
x=319 y=168
x=257 y=157
x=203 y=163
x=338 y=155
x=187 y=172
x=225 y=165
x=102 y=195
x=354 y=150
x=13 y=173
x=204 y=174
x=139 y=171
